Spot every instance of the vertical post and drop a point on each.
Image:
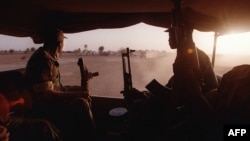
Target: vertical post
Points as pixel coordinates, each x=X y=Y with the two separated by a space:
x=177 y=22
x=214 y=48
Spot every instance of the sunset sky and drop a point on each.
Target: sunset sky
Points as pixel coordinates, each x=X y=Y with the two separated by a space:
x=138 y=37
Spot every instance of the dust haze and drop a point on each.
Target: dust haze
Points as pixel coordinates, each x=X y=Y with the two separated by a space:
x=110 y=79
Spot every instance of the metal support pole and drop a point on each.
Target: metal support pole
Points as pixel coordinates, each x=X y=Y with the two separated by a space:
x=214 y=48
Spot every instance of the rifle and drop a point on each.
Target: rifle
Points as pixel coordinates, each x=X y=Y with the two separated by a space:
x=85 y=75
x=177 y=23
x=127 y=77
x=181 y=29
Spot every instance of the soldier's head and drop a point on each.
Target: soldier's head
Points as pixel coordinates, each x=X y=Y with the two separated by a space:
x=186 y=36
x=54 y=39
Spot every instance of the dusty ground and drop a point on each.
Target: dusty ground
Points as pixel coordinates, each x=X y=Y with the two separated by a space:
x=110 y=79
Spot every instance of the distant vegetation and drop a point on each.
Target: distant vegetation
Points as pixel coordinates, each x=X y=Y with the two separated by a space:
x=26 y=51
x=86 y=52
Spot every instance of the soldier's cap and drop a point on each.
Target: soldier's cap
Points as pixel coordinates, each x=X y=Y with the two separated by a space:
x=53 y=34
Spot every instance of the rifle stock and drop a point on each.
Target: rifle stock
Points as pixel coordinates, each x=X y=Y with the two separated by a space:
x=182 y=30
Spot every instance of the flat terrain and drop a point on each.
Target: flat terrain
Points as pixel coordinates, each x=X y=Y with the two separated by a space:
x=110 y=79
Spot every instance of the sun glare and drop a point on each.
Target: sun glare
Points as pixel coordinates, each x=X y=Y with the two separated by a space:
x=234 y=44
x=230 y=44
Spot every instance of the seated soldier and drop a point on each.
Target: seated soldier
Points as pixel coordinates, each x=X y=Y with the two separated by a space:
x=229 y=104
x=204 y=113
x=233 y=96
x=69 y=110
x=166 y=110
x=205 y=73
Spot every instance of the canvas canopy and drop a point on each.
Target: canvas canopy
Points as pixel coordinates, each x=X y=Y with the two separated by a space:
x=24 y=18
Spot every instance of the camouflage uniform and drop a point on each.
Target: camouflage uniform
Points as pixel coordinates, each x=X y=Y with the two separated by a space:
x=42 y=71
x=69 y=111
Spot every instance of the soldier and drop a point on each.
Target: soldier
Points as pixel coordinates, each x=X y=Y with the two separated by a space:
x=69 y=110
x=205 y=73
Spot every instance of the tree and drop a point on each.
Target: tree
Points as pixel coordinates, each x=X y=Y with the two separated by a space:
x=101 y=49
x=85 y=47
x=32 y=49
x=11 y=51
x=27 y=50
